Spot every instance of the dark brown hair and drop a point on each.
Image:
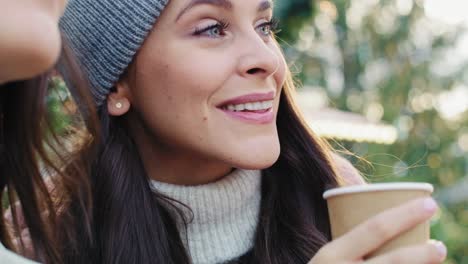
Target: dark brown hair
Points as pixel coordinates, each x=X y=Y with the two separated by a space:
x=132 y=223
x=33 y=158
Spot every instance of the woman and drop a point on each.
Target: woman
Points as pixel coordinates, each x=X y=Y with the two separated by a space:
x=195 y=98
x=30 y=45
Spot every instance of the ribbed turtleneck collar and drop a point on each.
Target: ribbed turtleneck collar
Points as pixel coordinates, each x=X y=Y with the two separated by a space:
x=225 y=215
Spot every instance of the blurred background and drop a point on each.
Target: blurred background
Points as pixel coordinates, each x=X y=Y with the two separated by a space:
x=388 y=81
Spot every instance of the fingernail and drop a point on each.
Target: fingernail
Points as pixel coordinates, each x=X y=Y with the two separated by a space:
x=441 y=249
x=430 y=205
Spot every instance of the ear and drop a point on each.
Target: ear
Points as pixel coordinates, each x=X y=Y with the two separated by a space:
x=118 y=101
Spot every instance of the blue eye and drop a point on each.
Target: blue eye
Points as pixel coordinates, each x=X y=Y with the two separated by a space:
x=269 y=28
x=218 y=29
x=212 y=31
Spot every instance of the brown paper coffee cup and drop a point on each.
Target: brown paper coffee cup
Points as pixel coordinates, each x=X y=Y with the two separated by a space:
x=352 y=205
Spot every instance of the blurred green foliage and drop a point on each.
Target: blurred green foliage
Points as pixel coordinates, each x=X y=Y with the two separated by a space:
x=56 y=101
x=391 y=62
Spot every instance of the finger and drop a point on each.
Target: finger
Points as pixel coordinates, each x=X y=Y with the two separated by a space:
x=373 y=233
x=433 y=252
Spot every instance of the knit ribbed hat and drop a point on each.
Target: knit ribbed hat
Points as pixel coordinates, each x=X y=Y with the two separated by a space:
x=106 y=34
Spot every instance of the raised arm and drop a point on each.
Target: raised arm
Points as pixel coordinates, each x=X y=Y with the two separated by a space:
x=29 y=39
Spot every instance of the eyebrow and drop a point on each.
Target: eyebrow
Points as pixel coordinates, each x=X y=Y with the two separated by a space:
x=225 y=4
x=264 y=6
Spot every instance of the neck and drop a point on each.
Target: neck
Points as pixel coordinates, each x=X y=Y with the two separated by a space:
x=181 y=170
x=182 y=167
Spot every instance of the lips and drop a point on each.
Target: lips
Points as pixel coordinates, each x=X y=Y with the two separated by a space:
x=256 y=108
x=249 y=98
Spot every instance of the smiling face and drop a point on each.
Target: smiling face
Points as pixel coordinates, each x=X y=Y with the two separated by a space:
x=29 y=37
x=204 y=91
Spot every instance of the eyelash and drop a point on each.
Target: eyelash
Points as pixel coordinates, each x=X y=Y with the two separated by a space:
x=273 y=24
x=223 y=25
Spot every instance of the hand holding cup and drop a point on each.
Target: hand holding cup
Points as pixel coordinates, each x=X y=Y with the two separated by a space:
x=393 y=229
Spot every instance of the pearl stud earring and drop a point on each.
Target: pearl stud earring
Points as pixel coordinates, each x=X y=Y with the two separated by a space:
x=119 y=105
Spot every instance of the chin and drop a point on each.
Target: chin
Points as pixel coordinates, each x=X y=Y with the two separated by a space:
x=258 y=160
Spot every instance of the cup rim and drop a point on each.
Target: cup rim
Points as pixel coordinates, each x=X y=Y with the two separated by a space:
x=391 y=186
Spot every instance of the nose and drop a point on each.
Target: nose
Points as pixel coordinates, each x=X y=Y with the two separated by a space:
x=258 y=59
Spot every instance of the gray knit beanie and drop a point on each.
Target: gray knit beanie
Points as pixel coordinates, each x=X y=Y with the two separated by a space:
x=106 y=34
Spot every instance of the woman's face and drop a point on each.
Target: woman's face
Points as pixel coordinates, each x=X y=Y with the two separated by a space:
x=29 y=36
x=205 y=86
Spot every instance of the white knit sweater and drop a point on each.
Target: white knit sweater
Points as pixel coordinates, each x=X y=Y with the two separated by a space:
x=225 y=215
x=7 y=256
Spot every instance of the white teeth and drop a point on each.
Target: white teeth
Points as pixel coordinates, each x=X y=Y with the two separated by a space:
x=252 y=106
x=267 y=104
x=240 y=107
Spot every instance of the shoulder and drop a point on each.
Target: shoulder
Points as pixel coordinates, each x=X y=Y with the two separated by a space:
x=346 y=171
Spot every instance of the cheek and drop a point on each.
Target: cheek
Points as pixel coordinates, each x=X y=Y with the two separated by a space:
x=197 y=79
x=280 y=74
x=173 y=95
